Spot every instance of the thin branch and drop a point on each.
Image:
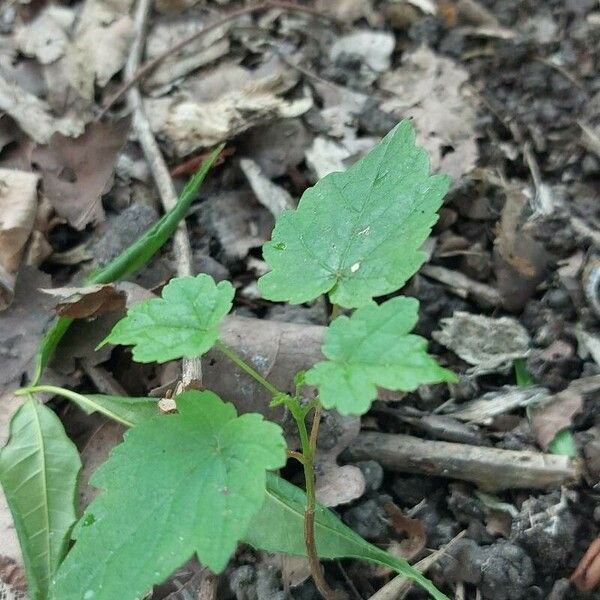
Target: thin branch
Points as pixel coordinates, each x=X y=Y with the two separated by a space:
x=133 y=76
x=191 y=368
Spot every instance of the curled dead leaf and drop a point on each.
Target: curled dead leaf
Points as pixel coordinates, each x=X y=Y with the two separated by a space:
x=89 y=301
x=413 y=529
x=520 y=261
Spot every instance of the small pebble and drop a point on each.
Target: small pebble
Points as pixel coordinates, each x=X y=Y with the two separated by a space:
x=373 y=473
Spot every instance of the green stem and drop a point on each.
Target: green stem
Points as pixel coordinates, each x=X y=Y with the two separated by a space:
x=242 y=364
x=308 y=444
x=336 y=311
x=73 y=396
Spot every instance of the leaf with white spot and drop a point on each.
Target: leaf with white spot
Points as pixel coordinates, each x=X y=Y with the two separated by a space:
x=357 y=235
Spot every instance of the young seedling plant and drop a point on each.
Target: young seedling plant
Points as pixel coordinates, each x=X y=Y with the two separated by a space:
x=201 y=480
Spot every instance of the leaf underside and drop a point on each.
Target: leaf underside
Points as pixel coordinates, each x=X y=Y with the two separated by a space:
x=178 y=485
x=356 y=235
x=183 y=323
x=370 y=349
x=38 y=472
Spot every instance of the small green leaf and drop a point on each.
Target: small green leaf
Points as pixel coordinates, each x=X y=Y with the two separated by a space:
x=563 y=444
x=373 y=348
x=279 y=527
x=183 y=323
x=38 y=472
x=357 y=234
x=132 y=259
x=178 y=485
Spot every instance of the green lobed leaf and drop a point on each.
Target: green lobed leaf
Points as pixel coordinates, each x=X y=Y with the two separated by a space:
x=279 y=527
x=132 y=259
x=183 y=323
x=38 y=472
x=370 y=349
x=178 y=485
x=357 y=234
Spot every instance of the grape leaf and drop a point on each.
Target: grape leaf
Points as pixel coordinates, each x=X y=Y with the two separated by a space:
x=279 y=527
x=178 y=484
x=38 y=472
x=183 y=323
x=373 y=348
x=357 y=234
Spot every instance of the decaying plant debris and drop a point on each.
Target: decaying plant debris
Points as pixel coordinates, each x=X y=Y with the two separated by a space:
x=503 y=95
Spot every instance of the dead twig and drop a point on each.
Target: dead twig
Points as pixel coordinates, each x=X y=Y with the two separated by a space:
x=397 y=588
x=462 y=286
x=133 y=76
x=191 y=368
x=492 y=469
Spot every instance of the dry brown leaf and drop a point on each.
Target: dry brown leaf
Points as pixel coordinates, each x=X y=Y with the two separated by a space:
x=246 y=99
x=413 y=529
x=100 y=45
x=238 y=222
x=337 y=485
x=326 y=156
x=47 y=36
x=13 y=584
x=33 y=115
x=431 y=90
x=165 y=33
x=553 y=416
x=89 y=301
x=586 y=576
x=374 y=48
x=95 y=452
x=18 y=205
x=520 y=261
x=76 y=171
x=22 y=324
x=269 y=194
x=348 y=11
x=174 y=6
x=491 y=345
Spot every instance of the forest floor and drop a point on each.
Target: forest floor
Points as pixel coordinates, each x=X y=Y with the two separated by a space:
x=505 y=97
